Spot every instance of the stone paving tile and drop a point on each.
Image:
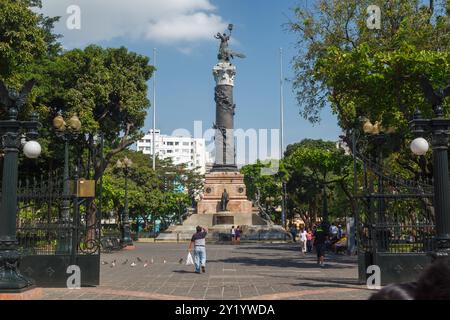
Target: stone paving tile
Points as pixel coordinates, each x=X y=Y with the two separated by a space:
x=246 y=271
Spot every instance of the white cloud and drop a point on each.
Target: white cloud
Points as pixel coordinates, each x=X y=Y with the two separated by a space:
x=164 y=21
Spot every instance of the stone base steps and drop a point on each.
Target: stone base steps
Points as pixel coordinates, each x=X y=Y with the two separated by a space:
x=222 y=234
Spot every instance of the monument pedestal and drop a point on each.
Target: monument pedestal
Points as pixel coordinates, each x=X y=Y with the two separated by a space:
x=240 y=212
x=215 y=184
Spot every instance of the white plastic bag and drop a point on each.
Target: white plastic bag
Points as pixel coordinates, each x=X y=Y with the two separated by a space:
x=189 y=260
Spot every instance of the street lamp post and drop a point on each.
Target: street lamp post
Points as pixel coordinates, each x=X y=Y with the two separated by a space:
x=438 y=126
x=11 y=130
x=66 y=131
x=125 y=165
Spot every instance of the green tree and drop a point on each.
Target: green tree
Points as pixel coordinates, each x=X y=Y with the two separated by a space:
x=265 y=190
x=22 y=39
x=376 y=67
x=152 y=193
x=315 y=166
x=363 y=73
x=107 y=88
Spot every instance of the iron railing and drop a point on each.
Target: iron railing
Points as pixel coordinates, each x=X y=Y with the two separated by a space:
x=45 y=239
x=397 y=238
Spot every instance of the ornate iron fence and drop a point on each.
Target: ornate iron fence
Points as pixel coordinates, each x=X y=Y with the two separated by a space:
x=55 y=231
x=396 y=223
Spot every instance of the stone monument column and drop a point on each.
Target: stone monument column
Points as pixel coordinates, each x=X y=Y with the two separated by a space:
x=224 y=202
x=225 y=192
x=224 y=73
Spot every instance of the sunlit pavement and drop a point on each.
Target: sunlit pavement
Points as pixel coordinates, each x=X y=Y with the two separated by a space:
x=249 y=271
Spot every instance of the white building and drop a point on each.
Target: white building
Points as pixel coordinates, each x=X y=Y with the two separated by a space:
x=181 y=149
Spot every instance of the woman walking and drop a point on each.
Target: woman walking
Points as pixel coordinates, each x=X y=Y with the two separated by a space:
x=309 y=240
x=238 y=235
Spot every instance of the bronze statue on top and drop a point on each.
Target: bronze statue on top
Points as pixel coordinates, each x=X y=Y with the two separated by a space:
x=225 y=53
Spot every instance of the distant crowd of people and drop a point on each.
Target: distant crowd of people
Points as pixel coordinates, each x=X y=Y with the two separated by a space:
x=320 y=237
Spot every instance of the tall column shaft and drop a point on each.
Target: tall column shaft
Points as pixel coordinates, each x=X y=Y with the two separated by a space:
x=225 y=160
x=9 y=190
x=10 y=277
x=441 y=189
x=441 y=186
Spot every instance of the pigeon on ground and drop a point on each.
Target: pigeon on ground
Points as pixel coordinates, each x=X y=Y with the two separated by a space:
x=125 y=262
x=113 y=264
x=139 y=259
x=146 y=264
x=133 y=264
x=164 y=261
x=104 y=262
x=181 y=261
x=152 y=261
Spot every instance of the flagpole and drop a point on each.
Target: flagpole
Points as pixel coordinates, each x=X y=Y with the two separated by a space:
x=154 y=111
x=281 y=105
x=283 y=186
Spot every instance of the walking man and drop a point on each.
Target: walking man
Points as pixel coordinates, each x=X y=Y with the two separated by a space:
x=199 y=243
x=320 y=239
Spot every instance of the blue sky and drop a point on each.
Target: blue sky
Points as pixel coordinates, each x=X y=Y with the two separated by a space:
x=182 y=32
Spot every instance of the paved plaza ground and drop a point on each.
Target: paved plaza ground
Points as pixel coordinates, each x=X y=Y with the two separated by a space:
x=249 y=271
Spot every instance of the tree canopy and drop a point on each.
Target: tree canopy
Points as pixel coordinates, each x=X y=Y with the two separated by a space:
x=365 y=72
x=316 y=169
x=106 y=88
x=163 y=193
x=369 y=74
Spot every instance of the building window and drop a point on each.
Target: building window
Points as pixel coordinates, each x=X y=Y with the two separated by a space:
x=177 y=143
x=170 y=143
x=185 y=143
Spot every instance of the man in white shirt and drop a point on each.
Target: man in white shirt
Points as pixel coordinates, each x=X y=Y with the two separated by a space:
x=233 y=235
x=334 y=231
x=303 y=240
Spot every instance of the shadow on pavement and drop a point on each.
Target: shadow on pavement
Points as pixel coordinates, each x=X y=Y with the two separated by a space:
x=321 y=283
x=281 y=263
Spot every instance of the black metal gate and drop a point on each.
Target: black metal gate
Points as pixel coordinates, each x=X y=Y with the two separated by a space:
x=395 y=224
x=55 y=231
